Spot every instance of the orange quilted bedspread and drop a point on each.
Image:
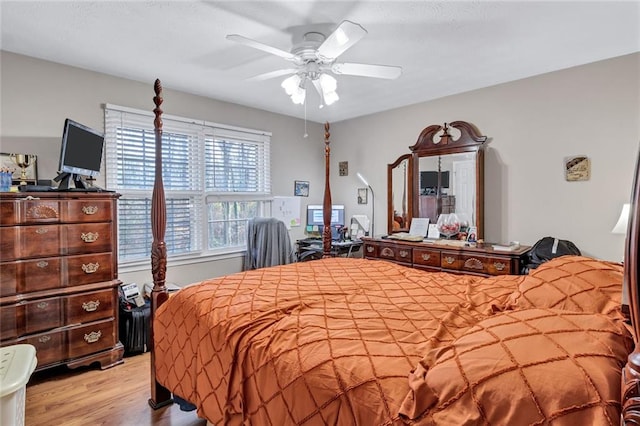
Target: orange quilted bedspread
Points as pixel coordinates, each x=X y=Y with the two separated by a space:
x=363 y=342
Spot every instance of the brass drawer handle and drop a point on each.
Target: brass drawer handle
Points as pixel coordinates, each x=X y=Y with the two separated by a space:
x=41 y=231
x=450 y=259
x=42 y=264
x=89 y=209
x=91 y=306
x=93 y=337
x=89 y=237
x=370 y=249
x=426 y=256
x=44 y=339
x=499 y=266
x=404 y=253
x=387 y=252
x=42 y=305
x=90 y=268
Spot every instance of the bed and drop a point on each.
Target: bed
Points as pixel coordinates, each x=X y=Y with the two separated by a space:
x=344 y=341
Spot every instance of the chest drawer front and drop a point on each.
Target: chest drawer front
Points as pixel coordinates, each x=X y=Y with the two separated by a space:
x=400 y=254
x=451 y=260
x=8 y=327
x=50 y=347
x=41 y=314
x=38 y=241
x=426 y=257
x=474 y=263
x=90 y=268
x=38 y=211
x=86 y=238
x=87 y=211
x=370 y=250
x=499 y=266
x=8 y=278
x=90 y=338
x=91 y=306
x=9 y=243
x=39 y=274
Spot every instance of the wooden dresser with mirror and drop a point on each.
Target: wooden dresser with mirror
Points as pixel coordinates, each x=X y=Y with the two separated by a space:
x=443 y=173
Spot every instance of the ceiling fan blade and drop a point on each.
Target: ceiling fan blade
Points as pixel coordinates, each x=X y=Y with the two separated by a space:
x=273 y=74
x=366 y=70
x=261 y=46
x=346 y=35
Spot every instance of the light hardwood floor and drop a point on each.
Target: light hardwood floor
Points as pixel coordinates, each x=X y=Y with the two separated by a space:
x=90 y=396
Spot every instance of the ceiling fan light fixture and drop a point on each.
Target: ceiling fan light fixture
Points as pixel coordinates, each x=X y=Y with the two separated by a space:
x=330 y=97
x=290 y=84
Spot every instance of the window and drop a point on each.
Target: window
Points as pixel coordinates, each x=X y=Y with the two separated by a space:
x=215 y=178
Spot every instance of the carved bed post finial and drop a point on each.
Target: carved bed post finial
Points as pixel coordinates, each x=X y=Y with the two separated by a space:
x=326 y=206
x=160 y=396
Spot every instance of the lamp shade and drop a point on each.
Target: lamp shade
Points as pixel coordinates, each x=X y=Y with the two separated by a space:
x=623 y=220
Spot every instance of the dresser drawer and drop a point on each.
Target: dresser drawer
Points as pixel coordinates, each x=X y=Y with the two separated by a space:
x=86 y=238
x=371 y=250
x=426 y=257
x=397 y=253
x=86 y=307
x=90 y=338
x=19 y=242
x=90 y=268
x=87 y=211
x=30 y=275
x=500 y=266
x=8 y=328
x=40 y=315
x=23 y=211
x=50 y=346
x=450 y=260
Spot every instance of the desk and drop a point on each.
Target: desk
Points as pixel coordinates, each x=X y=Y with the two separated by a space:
x=311 y=248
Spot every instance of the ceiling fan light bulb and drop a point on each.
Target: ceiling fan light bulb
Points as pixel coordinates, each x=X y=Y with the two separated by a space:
x=330 y=98
x=328 y=83
x=298 y=96
x=290 y=84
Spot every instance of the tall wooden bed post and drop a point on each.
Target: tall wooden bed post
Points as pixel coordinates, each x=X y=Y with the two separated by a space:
x=326 y=205
x=160 y=396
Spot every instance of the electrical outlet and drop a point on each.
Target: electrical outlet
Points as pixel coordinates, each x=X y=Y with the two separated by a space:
x=343 y=168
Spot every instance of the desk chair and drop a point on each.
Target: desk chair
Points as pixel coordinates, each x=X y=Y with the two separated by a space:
x=268 y=244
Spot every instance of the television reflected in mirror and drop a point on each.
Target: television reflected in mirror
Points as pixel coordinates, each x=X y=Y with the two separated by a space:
x=80 y=155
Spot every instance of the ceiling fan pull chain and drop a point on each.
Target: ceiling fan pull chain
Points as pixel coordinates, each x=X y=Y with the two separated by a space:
x=305 y=119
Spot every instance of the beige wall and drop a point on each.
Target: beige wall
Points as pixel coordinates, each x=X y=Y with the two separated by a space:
x=37 y=96
x=532 y=124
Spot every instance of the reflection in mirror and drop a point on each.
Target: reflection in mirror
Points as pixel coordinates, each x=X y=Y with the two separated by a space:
x=399 y=194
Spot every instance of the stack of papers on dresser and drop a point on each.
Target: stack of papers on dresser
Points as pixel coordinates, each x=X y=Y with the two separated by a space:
x=417 y=232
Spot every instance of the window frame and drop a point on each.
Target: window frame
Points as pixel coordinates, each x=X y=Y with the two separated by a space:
x=201 y=195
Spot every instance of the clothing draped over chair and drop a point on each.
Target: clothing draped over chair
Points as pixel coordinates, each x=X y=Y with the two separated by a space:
x=268 y=244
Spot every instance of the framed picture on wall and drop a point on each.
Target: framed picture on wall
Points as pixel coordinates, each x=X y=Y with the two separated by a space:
x=301 y=188
x=362 y=195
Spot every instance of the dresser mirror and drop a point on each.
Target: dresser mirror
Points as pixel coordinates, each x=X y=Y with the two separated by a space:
x=400 y=193
x=444 y=173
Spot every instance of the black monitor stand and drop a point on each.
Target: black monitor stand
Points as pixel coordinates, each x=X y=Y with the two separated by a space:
x=66 y=180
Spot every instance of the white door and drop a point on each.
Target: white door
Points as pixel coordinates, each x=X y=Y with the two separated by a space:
x=464 y=186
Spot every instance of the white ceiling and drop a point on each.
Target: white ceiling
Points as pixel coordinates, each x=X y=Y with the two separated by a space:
x=443 y=47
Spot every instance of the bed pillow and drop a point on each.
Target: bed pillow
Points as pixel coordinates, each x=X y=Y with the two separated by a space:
x=532 y=366
x=574 y=283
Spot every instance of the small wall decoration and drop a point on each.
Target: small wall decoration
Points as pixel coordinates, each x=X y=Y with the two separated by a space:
x=577 y=168
x=362 y=195
x=301 y=188
x=343 y=168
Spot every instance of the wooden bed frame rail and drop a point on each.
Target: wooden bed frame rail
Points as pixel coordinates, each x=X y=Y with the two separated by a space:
x=160 y=396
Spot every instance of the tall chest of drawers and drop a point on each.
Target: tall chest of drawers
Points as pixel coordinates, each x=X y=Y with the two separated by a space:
x=58 y=276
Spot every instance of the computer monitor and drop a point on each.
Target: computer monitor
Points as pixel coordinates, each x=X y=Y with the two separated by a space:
x=80 y=153
x=315 y=215
x=429 y=180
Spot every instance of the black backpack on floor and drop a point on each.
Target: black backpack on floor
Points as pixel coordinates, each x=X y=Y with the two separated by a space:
x=549 y=247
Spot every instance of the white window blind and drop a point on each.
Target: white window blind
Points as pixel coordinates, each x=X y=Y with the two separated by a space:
x=215 y=179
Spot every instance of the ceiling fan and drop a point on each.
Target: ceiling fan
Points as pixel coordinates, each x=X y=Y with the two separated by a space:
x=314 y=60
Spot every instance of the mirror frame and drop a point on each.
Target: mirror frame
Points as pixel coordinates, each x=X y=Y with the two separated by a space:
x=410 y=193
x=469 y=140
